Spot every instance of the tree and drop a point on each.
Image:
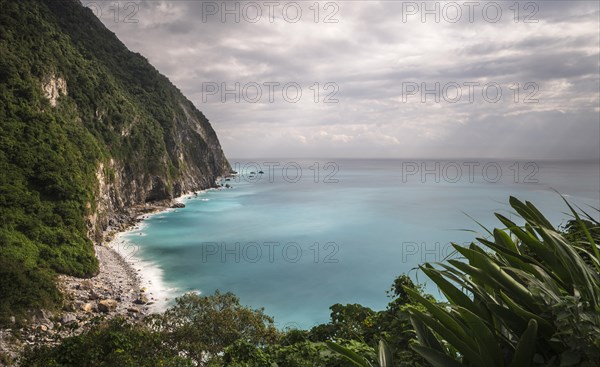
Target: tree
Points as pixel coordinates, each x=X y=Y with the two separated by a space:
x=202 y=327
x=112 y=344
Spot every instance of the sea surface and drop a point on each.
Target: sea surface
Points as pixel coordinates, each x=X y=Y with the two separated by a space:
x=306 y=234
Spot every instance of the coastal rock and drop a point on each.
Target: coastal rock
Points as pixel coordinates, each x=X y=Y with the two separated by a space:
x=141 y=300
x=88 y=307
x=107 y=305
x=42 y=317
x=87 y=285
x=68 y=319
x=93 y=295
x=178 y=206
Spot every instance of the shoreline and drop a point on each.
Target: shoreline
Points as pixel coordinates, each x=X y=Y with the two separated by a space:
x=125 y=286
x=146 y=274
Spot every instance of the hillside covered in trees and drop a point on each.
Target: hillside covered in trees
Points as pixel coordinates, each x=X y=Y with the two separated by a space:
x=87 y=129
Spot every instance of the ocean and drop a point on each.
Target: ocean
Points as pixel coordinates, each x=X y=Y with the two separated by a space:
x=306 y=234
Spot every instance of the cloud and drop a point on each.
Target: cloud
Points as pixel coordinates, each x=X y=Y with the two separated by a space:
x=368 y=52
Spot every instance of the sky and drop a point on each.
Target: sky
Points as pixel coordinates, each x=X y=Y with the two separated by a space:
x=389 y=79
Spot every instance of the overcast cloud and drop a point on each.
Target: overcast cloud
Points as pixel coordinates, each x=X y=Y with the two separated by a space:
x=374 y=53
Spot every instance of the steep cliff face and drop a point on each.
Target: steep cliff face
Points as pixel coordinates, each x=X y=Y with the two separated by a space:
x=183 y=154
x=88 y=129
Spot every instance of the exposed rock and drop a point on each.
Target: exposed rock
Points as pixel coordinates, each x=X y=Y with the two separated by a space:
x=141 y=300
x=107 y=305
x=178 y=206
x=88 y=307
x=42 y=317
x=68 y=319
x=53 y=88
x=93 y=295
x=87 y=284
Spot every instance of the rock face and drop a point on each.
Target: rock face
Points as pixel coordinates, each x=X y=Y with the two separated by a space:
x=54 y=88
x=158 y=145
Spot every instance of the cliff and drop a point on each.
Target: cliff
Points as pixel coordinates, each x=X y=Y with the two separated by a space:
x=88 y=130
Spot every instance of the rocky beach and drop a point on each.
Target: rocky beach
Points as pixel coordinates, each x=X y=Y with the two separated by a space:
x=119 y=289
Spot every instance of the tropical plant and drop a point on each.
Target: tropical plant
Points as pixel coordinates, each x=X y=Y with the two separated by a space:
x=384 y=355
x=529 y=295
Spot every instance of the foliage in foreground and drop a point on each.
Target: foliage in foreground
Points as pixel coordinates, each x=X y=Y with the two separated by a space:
x=115 y=343
x=534 y=300
x=529 y=295
x=217 y=331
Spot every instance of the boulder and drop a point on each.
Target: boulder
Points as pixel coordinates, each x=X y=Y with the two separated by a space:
x=107 y=305
x=87 y=284
x=68 y=319
x=142 y=299
x=88 y=307
x=93 y=295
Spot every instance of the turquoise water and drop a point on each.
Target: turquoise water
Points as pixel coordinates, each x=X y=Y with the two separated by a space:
x=296 y=243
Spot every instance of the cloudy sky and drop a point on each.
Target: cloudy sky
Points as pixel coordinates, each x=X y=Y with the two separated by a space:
x=379 y=78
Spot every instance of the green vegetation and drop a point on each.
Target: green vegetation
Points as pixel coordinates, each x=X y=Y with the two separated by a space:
x=211 y=331
x=533 y=298
x=113 y=105
x=527 y=296
x=115 y=343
